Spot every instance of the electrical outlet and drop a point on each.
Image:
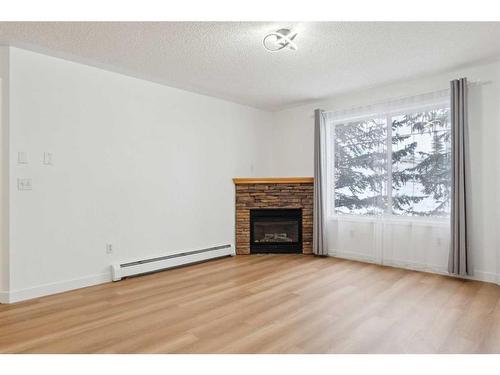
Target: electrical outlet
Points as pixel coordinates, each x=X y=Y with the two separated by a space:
x=24 y=184
x=109 y=248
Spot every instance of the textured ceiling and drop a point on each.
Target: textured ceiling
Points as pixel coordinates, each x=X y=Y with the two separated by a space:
x=227 y=60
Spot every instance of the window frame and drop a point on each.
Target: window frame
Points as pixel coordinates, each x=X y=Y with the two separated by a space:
x=387 y=215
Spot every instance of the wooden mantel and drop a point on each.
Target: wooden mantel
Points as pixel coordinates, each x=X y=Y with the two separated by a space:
x=274 y=180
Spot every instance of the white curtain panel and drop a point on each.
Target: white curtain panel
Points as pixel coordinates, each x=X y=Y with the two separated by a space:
x=388 y=182
x=407 y=244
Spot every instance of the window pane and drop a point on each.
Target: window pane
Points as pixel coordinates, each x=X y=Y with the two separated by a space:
x=360 y=167
x=421 y=179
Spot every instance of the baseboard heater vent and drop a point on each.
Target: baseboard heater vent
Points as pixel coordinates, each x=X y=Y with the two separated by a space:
x=119 y=271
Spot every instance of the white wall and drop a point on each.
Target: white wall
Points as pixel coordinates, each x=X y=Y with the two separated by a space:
x=4 y=176
x=145 y=167
x=292 y=154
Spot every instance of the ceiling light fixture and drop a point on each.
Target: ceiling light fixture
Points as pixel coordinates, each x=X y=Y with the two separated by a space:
x=276 y=41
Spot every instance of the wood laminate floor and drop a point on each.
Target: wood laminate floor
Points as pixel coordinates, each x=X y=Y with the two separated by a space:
x=263 y=304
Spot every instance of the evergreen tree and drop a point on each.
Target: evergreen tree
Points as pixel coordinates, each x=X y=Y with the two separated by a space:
x=420 y=163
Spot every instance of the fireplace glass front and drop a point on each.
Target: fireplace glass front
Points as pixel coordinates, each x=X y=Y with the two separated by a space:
x=276 y=230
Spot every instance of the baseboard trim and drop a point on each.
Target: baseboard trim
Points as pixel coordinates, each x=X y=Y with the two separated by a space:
x=351 y=255
x=54 y=288
x=4 y=297
x=488 y=277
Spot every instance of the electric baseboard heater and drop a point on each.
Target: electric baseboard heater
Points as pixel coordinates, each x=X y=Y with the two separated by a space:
x=119 y=271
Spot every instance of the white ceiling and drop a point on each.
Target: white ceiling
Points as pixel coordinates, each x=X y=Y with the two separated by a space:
x=227 y=60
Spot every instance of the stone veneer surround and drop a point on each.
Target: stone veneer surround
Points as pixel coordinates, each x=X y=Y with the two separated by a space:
x=273 y=193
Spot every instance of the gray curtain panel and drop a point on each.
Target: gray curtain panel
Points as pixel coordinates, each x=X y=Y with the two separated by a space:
x=319 y=233
x=460 y=259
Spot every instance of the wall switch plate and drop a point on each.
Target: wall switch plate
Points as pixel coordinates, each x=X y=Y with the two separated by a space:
x=24 y=184
x=109 y=248
x=48 y=158
x=22 y=157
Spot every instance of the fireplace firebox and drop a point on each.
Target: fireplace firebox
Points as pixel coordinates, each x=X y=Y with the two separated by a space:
x=276 y=230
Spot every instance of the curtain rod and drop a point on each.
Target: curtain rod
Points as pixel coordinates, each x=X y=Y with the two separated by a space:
x=479 y=82
x=395 y=99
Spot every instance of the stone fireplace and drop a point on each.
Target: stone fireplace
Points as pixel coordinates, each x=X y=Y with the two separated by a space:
x=274 y=215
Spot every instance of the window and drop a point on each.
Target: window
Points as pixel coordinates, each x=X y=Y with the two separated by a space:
x=393 y=163
x=360 y=166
